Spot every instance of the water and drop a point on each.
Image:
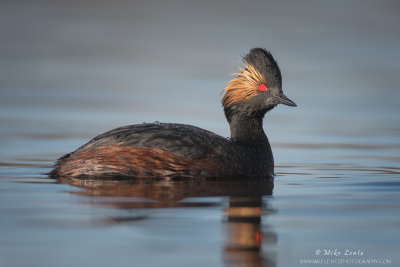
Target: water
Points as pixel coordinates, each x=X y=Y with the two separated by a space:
x=71 y=70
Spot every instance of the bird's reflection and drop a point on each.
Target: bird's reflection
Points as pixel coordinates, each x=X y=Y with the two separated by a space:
x=245 y=236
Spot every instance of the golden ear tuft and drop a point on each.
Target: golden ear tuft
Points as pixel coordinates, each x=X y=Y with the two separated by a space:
x=244 y=86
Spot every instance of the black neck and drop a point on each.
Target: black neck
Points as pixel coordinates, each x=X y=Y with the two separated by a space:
x=247 y=132
x=247 y=129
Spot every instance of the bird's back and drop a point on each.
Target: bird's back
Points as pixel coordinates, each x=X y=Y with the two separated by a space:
x=155 y=150
x=180 y=140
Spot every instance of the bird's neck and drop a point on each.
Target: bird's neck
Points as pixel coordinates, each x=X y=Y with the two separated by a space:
x=248 y=131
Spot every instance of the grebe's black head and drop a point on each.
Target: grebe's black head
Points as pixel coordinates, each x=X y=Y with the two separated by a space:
x=257 y=88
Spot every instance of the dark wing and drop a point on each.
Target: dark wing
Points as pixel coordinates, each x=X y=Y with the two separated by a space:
x=179 y=139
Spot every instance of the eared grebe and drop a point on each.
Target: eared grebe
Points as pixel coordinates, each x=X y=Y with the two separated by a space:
x=167 y=150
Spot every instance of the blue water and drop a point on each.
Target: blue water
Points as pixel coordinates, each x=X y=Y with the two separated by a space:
x=70 y=70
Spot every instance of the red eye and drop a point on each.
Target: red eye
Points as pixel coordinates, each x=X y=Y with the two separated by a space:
x=262 y=87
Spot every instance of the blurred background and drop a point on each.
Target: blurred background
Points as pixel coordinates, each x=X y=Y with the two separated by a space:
x=76 y=69
x=70 y=70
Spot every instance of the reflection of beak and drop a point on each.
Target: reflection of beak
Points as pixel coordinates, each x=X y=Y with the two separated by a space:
x=285 y=100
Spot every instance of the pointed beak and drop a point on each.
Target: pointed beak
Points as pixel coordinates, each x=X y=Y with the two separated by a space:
x=285 y=100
